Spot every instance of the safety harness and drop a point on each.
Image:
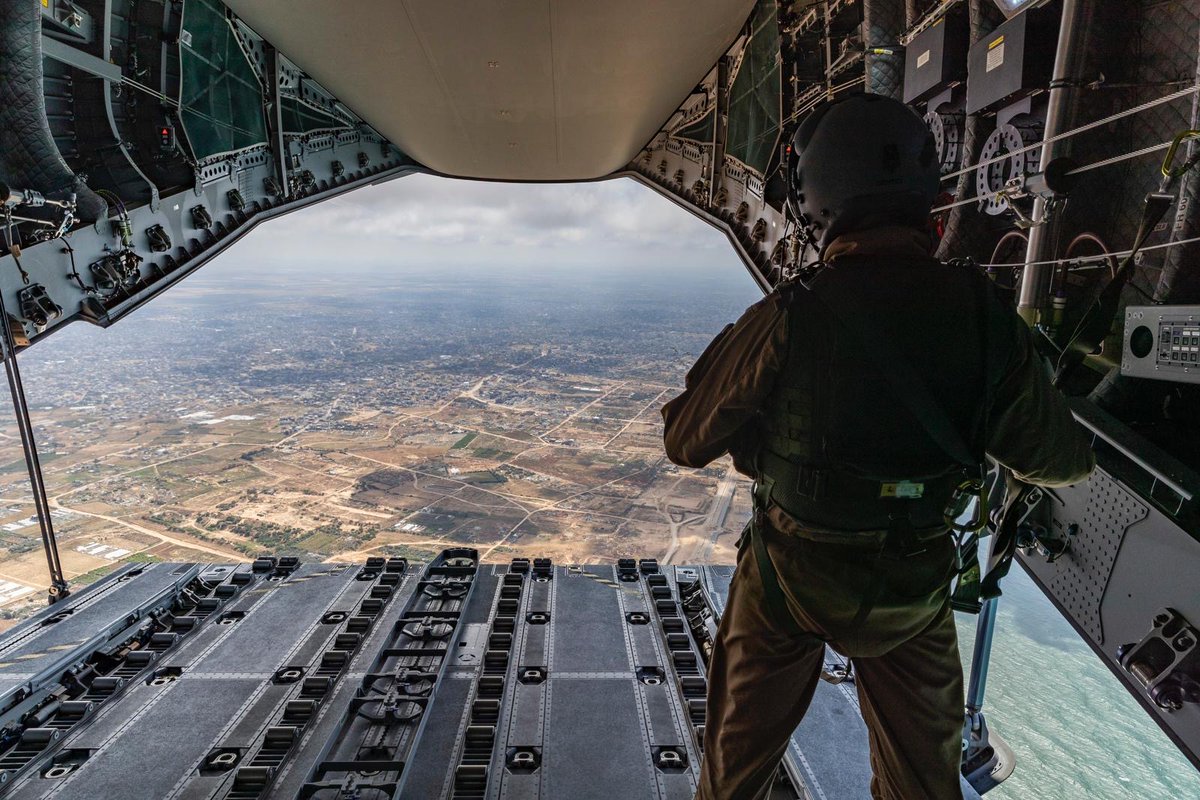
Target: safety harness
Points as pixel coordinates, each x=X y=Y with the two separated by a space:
x=787 y=486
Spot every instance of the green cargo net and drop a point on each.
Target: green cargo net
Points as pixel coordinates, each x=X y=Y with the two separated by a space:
x=220 y=96
x=754 y=97
x=699 y=131
x=299 y=117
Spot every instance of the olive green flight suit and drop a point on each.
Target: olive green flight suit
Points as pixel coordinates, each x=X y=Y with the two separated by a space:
x=764 y=669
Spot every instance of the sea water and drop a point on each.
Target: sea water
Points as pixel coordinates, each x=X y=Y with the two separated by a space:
x=1076 y=731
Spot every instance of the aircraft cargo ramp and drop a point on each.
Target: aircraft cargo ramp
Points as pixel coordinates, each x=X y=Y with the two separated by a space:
x=379 y=680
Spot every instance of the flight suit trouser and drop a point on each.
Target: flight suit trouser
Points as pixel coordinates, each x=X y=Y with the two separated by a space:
x=764 y=671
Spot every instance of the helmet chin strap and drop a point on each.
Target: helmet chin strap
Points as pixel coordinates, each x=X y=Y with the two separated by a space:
x=803 y=269
x=810 y=236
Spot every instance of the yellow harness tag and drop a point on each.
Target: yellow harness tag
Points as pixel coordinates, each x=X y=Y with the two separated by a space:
x=903 y=490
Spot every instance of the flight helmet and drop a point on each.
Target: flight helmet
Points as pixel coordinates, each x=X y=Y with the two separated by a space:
x=860 y=162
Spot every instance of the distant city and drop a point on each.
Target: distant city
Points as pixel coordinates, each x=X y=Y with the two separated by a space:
x=516 y=413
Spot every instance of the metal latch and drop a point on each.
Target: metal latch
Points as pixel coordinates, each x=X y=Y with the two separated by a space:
x=1166 y=661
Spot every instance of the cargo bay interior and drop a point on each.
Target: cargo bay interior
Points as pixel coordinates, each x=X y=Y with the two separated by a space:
x=141 y=138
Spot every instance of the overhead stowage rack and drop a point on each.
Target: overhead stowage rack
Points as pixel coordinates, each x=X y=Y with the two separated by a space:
x=702 y=130
x=299 y=117
x=220 y=96
x=754 y=98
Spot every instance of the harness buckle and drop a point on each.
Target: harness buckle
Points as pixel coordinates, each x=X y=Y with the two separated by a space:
x=901 y=540
x=812 y=482
x=760 y=497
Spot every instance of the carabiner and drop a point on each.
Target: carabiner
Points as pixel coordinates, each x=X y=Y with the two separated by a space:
x=957 y=506
x=1168 y=170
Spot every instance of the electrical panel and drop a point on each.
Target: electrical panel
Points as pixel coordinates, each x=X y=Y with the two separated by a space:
x=1012 y=62
x=1162 y=342
x=936 y=59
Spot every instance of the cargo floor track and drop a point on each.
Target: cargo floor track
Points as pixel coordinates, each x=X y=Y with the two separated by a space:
x=384 y=680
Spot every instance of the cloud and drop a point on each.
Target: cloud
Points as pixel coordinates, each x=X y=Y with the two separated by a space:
x=429 y=219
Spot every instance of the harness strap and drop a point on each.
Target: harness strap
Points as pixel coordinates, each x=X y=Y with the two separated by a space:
x=973 y=584
x=965 y=596
x=1097 y=320
x=769 y=578
x=853 y=505
x=901 y=534
x=901 y=540
x=940 y=428
x=773 y=593
x=910 y=387
x=1005 y=545
x=867 y=604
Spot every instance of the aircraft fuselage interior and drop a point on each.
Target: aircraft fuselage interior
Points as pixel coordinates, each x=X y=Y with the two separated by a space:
x=139 y=139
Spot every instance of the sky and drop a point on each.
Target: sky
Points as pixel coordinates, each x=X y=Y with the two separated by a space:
x=426 y=220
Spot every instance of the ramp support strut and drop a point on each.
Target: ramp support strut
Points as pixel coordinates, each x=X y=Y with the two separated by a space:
x=58 y=584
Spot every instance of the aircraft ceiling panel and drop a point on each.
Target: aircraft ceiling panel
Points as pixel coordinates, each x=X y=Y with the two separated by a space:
x=524 y=90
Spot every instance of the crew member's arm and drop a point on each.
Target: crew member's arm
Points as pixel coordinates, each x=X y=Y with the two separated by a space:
x=1032 y=431
x=726 y=387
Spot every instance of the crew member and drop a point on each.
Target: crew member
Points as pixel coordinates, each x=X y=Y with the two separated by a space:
x=850 y=398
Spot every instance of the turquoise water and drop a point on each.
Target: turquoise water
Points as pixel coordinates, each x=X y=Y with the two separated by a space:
x=1076 y=732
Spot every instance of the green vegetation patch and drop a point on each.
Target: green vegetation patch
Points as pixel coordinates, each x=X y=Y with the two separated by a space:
x=318 y=542
x=440 y=523
x=404 y=551
x=484 y=477
x=93 y=576
x=494 y=453
x=464 y=441
x=19 y=465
